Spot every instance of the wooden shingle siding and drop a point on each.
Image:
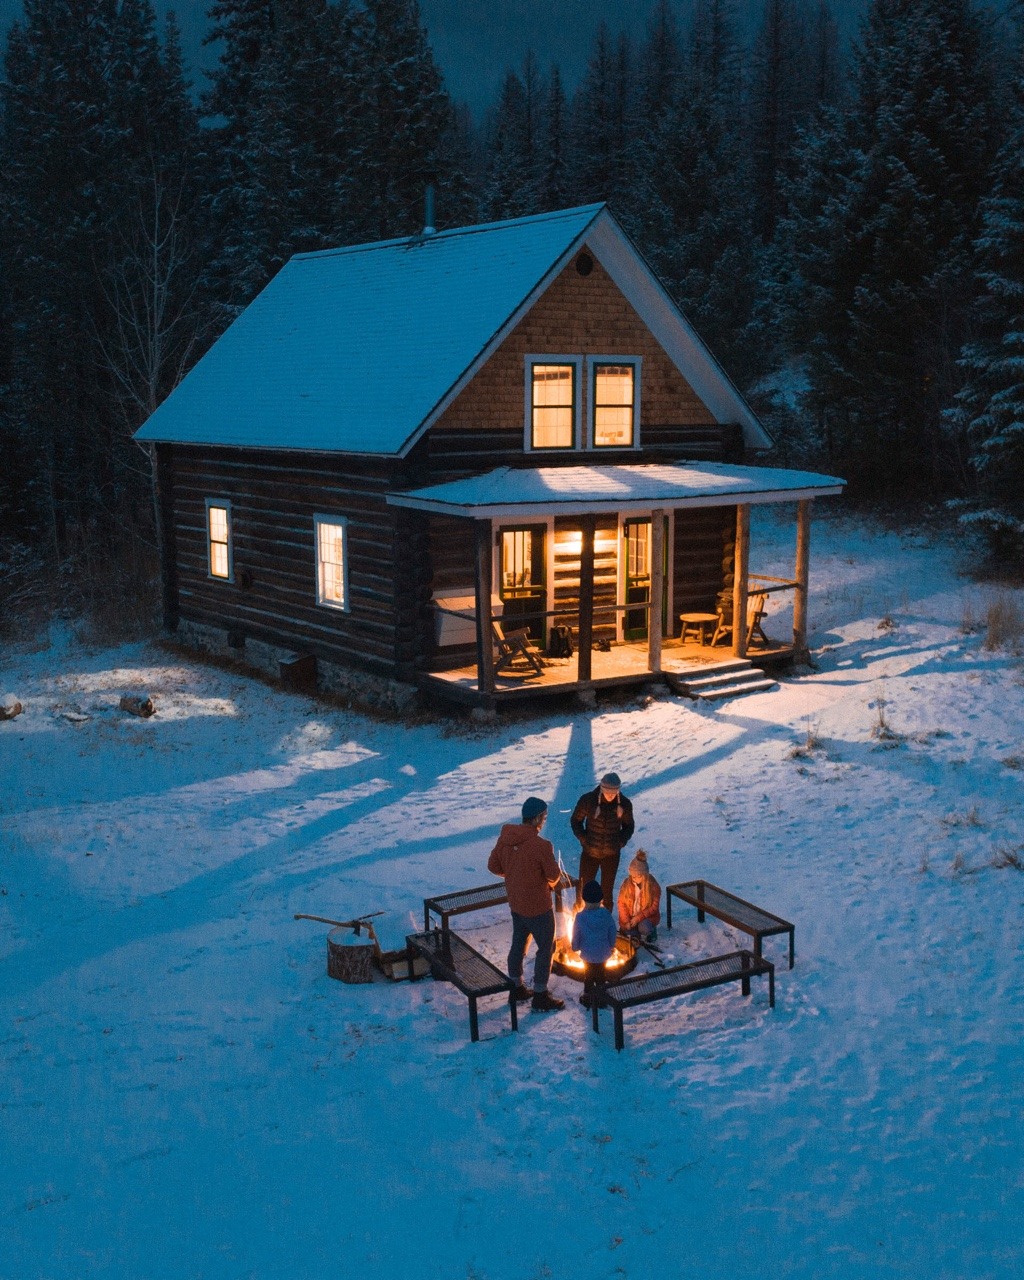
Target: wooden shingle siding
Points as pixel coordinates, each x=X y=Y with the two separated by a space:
x=577 y=315
x=274 y=498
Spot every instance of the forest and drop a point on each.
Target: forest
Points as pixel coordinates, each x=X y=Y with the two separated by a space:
x=843 y=225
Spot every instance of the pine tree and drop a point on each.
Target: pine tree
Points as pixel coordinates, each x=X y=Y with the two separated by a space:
x=990 y=407
x=602 y=124
x=880 y=241
x=514 y=178
x=552 y=177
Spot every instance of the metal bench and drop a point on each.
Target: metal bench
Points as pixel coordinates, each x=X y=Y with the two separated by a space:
x=446 y=905
x=708 y=897
x=736 y=966
x=453 y=960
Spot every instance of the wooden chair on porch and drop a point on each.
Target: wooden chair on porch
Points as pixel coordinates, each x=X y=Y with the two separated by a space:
x=756 y=603
x=515 y=646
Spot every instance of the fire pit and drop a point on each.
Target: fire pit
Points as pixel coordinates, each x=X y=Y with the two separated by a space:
x=570 y=964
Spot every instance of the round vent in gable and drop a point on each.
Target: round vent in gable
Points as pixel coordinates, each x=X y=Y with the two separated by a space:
x=584 y=264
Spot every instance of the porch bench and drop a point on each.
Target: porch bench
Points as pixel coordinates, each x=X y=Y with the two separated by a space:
x=725 y=906
x=446 y=905
x=452 y=959
x=680 y=980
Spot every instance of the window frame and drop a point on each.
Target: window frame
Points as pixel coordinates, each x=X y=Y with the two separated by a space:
x=576 y=362
x=222 y=504
x=345 y=605
x=593 y=364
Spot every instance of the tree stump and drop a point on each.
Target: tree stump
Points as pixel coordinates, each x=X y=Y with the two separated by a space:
x=349 y=956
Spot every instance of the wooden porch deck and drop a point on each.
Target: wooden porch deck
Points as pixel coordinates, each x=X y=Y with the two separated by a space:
x=622 y=666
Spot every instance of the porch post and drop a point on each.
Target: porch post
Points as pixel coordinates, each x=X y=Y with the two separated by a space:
x=585 y=631
x=802 y=576
x=741 y=567
x=484 y=639
x=657 y=590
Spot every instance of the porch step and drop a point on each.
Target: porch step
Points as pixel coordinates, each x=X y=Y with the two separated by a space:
x=722 y=680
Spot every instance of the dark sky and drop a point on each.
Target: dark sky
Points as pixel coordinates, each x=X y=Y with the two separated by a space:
x=475 y=41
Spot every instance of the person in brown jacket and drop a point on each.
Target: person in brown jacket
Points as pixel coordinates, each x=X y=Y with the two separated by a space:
x=640 y=900
x=526 y=862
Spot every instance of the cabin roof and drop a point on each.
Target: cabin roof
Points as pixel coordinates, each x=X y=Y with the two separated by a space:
x=359 y=349
x=521 y=492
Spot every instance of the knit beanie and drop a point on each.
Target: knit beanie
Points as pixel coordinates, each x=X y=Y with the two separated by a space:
x=533 y=807
x=638 y=866
x=592 y=891
x=612 y=781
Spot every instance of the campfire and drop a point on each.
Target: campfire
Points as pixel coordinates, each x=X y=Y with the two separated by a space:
x=569 y=963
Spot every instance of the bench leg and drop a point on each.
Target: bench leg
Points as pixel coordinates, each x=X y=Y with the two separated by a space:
x=668 y=911
x=513 y=1011
x=474 y=1029
x=745 y=980
x=792 y=947
x=771 y=988
x=620 y=1039
x=426 y=919
x=595 y=998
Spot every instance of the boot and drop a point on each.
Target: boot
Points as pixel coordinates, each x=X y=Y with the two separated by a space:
x=522 y=993
x=545 y=1002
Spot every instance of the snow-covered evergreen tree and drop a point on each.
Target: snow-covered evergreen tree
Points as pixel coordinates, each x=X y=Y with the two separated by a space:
x=879 y=238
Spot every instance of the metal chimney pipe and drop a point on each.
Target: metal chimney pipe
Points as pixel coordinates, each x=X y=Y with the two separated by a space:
x=428 y=210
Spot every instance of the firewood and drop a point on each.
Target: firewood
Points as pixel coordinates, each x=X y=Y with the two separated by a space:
x=9 y=707
x=137 y=705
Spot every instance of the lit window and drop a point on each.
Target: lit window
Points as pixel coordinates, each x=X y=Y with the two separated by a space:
x=553 y=406
x=218 y=536
x=331 y=562
x=613 y=405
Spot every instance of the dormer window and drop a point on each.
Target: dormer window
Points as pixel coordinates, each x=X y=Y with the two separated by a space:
x=614 y=399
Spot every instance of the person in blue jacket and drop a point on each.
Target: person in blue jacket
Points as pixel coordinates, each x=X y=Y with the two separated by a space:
x=593 y=936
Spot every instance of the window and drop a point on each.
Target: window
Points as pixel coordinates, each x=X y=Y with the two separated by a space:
x=331 y=561
x=218 y=539
x=552 y=402
x=614 y=399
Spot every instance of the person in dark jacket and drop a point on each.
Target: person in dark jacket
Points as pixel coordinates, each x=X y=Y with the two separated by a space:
x=593 y=935
x=603 y=824
x=526 y=862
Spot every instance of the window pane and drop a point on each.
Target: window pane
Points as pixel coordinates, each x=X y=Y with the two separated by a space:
x=218 y=524
x=219 y=559
x=552 y=384
x=331 y=562
x=613 y=426
x=552 y=429
x=614 y=384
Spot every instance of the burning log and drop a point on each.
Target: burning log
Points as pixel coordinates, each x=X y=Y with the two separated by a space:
x=137 y=704
x=10 y=707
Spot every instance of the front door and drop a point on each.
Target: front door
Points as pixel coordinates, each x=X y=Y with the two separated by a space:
x=523 y=587
x=636 y=540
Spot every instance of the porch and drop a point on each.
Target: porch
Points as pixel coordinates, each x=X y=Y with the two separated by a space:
x=618 y=556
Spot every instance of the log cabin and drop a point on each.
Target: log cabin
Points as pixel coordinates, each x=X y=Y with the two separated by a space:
x=402 y=453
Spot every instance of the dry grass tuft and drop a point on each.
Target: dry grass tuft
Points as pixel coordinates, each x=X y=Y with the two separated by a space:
x=1004 y=623
x=970 y=818
x=1013 y=762
x=969 y=623
x=887 y=623
x=1004 y=856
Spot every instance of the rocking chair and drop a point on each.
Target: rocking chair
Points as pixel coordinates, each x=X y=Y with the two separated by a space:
x=515 y=646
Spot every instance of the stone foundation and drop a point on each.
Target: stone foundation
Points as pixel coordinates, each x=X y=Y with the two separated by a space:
x=374 y=693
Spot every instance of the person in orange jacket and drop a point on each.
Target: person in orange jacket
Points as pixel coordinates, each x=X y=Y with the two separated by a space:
x=526 y=862
x=640 y=901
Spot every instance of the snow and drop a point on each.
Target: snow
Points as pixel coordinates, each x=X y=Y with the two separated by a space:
x=539 y=490
x=187 y=1094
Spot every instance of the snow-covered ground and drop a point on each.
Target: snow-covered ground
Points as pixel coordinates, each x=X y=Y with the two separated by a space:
x=185 y=1093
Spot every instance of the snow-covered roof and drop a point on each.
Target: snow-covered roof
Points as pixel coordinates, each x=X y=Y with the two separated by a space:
x=359 y=350
x=524 y=492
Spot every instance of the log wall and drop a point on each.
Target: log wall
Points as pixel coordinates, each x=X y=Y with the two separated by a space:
x=274 y=498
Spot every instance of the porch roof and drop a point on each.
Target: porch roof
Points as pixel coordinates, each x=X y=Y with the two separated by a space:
x=542 y=491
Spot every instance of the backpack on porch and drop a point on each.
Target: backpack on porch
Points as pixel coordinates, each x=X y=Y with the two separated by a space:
x=560 y=642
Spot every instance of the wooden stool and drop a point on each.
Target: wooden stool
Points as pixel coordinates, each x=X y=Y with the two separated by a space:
x=701 y=623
